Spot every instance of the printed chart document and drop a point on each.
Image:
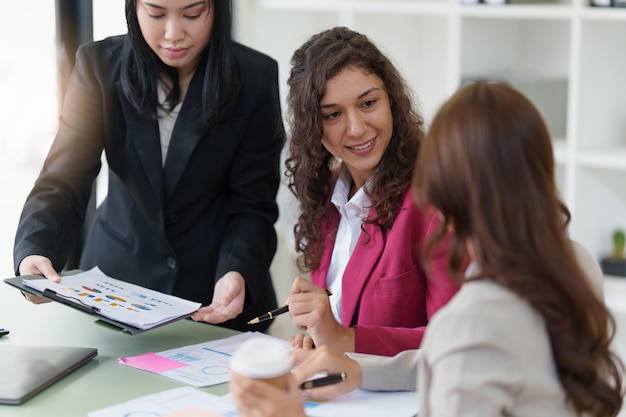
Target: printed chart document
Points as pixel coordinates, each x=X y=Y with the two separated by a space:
x=199 y=365
x=188 y=402
x=94 y=292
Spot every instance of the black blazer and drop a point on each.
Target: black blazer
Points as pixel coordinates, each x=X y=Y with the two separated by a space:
x=177 y=228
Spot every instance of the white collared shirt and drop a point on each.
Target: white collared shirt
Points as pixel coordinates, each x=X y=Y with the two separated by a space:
x=352 y=214
x=167 y=120
x=471 y=269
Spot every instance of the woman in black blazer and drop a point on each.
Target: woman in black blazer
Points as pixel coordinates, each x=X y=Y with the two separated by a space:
x=191 y=129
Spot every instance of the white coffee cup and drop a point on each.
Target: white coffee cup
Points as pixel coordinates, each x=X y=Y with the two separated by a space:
x=262 y=358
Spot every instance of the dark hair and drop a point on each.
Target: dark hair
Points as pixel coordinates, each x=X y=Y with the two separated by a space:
x=142 y=69
x=487 y=165
x=309 y=167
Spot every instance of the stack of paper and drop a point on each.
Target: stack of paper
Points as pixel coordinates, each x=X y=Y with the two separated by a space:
x=114 y=299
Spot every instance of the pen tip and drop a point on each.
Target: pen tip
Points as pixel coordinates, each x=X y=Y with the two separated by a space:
x=254 y=321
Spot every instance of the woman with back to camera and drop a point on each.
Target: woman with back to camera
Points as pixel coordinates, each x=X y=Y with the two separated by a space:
x=354 y=138
x=526 y=335
x=191 y=128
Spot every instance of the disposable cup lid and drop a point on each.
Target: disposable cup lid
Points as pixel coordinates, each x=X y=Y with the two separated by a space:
x=261 y=357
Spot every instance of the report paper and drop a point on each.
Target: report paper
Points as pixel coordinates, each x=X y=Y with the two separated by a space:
x=199 y=365
x=188 y=401
x=115 y=299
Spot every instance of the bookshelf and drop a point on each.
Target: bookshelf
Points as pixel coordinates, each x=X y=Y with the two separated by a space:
x=567 y=56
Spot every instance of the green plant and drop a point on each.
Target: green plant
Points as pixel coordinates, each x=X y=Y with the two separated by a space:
x=618 y=243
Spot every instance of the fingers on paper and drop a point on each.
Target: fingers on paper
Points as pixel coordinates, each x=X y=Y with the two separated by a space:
x=39 y=265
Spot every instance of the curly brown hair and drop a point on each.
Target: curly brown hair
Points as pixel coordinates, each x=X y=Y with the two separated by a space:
x=487 y=165
x=310 y=167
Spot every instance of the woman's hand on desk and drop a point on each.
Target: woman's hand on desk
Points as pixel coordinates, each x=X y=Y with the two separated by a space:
x=310 y=310
x=257 y=398
x=228 y=297
x=330 y=361
x=38 y=265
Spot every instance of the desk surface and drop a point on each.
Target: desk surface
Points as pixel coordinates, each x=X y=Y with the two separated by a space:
x=103 y=381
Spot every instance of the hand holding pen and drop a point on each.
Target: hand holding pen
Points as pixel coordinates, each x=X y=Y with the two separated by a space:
x=251 y=396
x=277 y=312
x=330 y=361
x=311 y=312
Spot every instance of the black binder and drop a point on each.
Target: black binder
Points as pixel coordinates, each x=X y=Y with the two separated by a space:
x=77 y=305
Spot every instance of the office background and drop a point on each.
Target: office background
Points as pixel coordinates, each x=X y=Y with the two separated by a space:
x=567 y=56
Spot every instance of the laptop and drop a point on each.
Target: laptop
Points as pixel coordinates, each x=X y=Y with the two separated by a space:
x=29 y=369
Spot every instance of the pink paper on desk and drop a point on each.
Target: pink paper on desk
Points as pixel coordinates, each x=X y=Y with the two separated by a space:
x=152 y=362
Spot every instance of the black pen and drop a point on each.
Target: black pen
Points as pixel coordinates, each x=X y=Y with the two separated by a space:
x=326 y=380
x=281 y=310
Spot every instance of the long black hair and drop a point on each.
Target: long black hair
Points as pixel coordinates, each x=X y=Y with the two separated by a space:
x=142 y=69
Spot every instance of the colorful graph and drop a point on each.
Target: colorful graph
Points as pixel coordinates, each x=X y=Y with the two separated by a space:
x=112 y=300
x=114 y=297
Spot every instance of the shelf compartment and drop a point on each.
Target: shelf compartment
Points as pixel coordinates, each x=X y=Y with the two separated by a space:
x=531 y=55
x=514 y=45
x=601 y=118
x=600 y=208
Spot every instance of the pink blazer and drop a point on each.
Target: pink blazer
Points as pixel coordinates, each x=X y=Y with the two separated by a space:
x=386 y=295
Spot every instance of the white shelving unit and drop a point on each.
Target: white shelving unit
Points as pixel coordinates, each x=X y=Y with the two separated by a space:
x=567 y=56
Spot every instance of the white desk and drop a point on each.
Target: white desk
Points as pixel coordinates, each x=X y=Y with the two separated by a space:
x=103 y=381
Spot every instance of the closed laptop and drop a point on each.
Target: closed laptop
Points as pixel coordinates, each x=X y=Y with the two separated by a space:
x=26 y=370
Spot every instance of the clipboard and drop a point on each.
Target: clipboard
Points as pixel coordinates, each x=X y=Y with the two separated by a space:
x=77 y=305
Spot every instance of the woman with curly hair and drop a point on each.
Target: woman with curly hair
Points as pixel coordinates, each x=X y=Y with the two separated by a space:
x=355 y=135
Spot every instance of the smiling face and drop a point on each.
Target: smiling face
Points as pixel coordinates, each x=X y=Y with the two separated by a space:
x=357 y=121
x=177 y=30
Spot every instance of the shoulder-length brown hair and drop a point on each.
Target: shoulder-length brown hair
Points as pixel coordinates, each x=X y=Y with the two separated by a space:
x=309 y=166
x=487 y=165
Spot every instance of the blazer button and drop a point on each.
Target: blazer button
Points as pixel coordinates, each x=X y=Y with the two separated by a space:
x=171 y=262
x=172 y=219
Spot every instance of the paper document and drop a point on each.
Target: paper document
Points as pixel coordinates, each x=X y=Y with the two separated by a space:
x=175 y=401
x=117 y=300
x=200 y=365
x=189 y=402
x=361 y=403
